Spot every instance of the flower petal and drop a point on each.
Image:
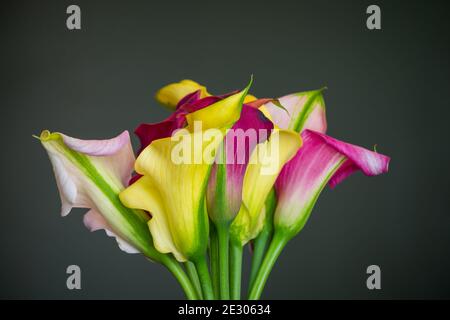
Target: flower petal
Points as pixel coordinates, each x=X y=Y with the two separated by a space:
x=148 y=132
x=224 y=113
x=171 y=94
x=94 y=221
x=90 y=174
x=305 y=110
x=144 y=195
x=321 y=160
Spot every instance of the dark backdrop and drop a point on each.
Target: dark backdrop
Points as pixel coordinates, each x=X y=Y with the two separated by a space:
x=386 y=87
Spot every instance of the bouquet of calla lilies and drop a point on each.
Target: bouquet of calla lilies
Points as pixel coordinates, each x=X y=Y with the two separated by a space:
x=221 y=172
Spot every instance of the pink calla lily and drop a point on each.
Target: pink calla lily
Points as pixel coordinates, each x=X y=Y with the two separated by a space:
x=321 y=160
x=90 y=174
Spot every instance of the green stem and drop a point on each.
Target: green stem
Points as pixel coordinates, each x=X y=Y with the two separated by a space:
x=175 y=268
x=259 y=248
x=224 y=239
x=275 y=248
x=235 y=270
x=214 y=259
x=205 y=278
x=193 y=276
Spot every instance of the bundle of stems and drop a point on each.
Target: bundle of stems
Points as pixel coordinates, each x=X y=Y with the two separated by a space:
x=218 y=275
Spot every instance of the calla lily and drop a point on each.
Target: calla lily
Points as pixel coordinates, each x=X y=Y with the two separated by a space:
x=258 y=181
x=171 y=94
x=303 y=110
x=90 y=174
x=298 y=111
x=224 y=193
x=322 y=160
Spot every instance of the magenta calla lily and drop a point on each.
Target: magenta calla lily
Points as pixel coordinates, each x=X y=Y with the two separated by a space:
x=251 y=128
x=322 y=160
x=225 y=185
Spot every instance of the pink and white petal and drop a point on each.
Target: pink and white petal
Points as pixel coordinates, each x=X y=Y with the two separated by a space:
x=119 y=164
x=304 y=110
x=316 y=120
x=67 y=183
x=97 y=147
x=94 y=221
x=123 y=245
x=110 y=161
x=114 y=155
x=282 y=118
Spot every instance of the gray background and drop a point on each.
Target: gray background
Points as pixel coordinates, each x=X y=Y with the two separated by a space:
x=387 y=87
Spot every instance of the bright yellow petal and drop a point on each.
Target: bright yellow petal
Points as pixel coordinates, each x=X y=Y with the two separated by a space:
x=249 y=98
x=175 y=182
x=171 y=94
x=265 y=164
x=266 y=112
x=221 y=114
x=143 y=195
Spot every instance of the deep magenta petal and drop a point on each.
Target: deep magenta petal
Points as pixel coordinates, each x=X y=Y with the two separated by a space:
x=147 y=133
x=251 y=128
x=371 y=163
x=189 y=98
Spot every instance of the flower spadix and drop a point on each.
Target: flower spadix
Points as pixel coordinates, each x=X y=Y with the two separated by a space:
x=322 y=160
x=175 y=172
x=90 y=174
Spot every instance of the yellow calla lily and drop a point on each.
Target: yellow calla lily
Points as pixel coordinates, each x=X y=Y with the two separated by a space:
x=173 y=193
x=171 y=94
x=174 y=179
x=265 y=163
